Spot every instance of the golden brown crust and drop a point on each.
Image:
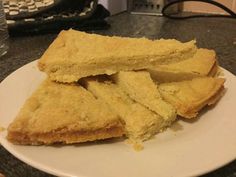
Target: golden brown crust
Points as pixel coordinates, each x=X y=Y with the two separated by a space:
x=213 y=70
x=58 y=110
x=193 y=110
x=65 y=137
x=189 y=97
x=203 y=63
x=75 y=54
x=213 y=100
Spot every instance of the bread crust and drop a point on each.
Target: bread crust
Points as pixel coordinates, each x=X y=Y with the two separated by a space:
x=63 y=113
x=64 y=137
x=74 y=55
x=202 y=64
x=189 y=97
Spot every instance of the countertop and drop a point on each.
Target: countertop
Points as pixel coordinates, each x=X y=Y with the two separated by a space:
x=213 y=33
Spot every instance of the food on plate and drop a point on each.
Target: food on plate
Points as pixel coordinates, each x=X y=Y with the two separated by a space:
x=101 y=87
x=141 y=88
x=203 y=63
x=59 y=113
x=140 y=123
x=75 y=54
x=189 y=97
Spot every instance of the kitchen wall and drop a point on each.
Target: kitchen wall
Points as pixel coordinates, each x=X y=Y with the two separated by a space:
x=204 y=7
x=116 y=6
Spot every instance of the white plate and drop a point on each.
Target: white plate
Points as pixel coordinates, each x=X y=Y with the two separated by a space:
x=199 y=147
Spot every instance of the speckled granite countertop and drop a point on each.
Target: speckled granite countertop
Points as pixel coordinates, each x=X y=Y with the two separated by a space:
x=213 y=33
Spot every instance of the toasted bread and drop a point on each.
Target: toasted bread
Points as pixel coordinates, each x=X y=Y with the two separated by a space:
x=58 y=113
x=189 y=97
x=140 y=87
x=75 y=54
x=203 y=63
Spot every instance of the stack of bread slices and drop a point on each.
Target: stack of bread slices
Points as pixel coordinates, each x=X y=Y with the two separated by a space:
x=101 y=87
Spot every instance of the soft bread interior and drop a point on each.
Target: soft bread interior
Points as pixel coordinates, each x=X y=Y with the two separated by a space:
x=140 y=123
x=141 y=88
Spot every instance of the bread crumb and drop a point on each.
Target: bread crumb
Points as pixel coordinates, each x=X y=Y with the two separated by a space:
x=2 y=129
x=136 y=145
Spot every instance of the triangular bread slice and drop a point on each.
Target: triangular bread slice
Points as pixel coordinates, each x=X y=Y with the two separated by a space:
x=189 y=97
x=75 y=54
x=140 y=123
x=141 y=88
x=58 y=113
x=203 y=63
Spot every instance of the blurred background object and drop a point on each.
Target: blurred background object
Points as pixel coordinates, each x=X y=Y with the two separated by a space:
x=3 y=32
x=229 y=13
x=1 y=175
x=49 y=16
x=26 y=17
x=114 y=6
x=154 y=7
x=150 y=7
x=207 y=8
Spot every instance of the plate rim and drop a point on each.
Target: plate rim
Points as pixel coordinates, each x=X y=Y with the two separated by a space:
x=7 y=146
